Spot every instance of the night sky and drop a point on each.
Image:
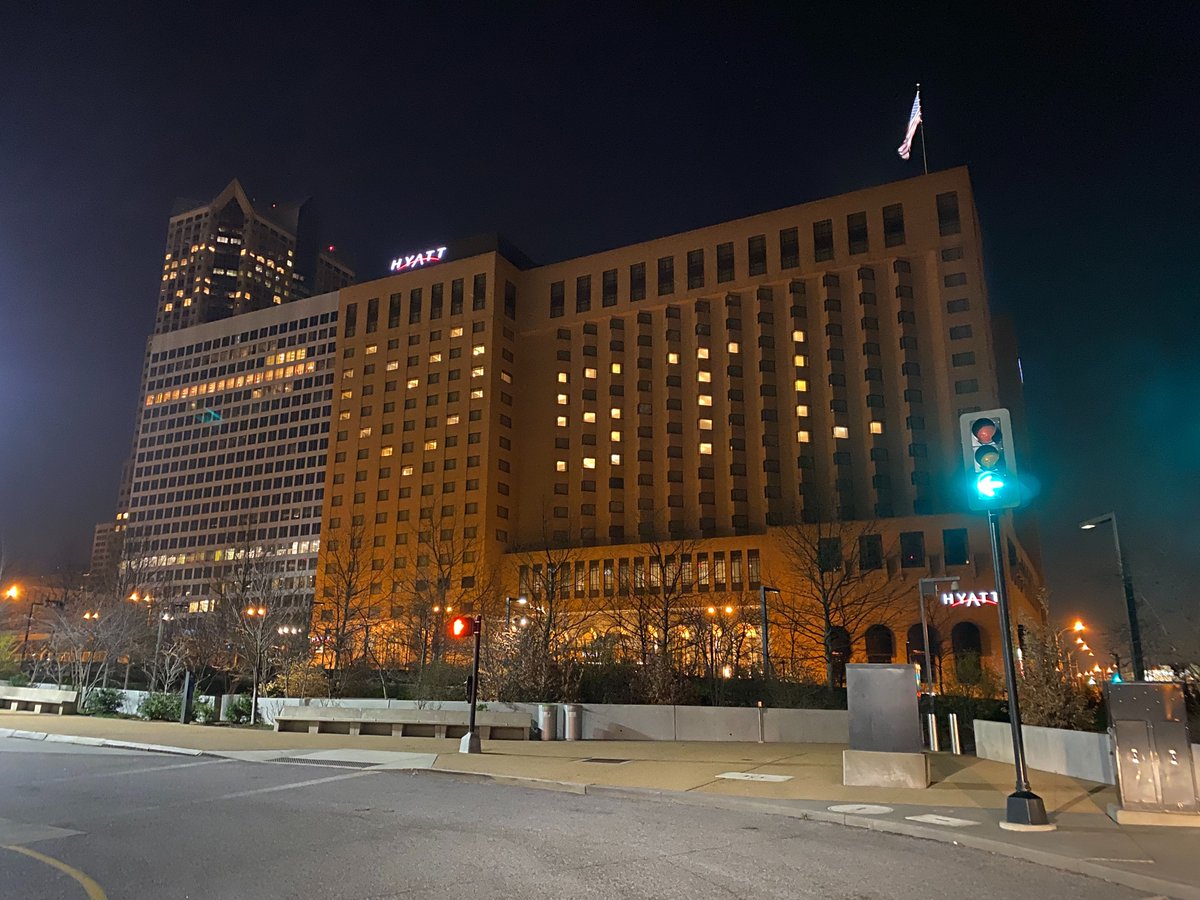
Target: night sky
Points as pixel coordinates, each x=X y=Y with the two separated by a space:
x=572 y=132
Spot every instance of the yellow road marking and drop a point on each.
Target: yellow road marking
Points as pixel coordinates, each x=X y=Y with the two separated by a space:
x=93 y=890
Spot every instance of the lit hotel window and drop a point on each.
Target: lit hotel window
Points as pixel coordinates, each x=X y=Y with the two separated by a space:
x=705 y=399
x=477 y=394
x=589 y=417
x=701 y=353
x=801 y=385
x=800 y=360
x=364 y=432
x=561 y=465
x=614 y=436
x=706 y=424
x=435 y=357
x=798 y=337
x=386 y=451
x=803 y=437
x=673 y=358
x=412 y=383
x=801 y=410
x=431 y=445
x=452 y=420
x=616 y=368
x=506 y=377
x=704 y=376
x=589 y=462
x=478 y=350
x=615 y=459
x=876 y=428
x=392 y=365
x=347 y=373
x=562 y=421
x=456 y=331
x=372 y=348
x=706 y=449
x=346 y=395
x=563 y=377
x=589 y=373
x=562 y=400
x=344 y=415
x=841 y=431
x=734 y=347
x=477 y=372
x=615 y=412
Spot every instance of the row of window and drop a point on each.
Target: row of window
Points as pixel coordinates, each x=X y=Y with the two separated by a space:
x=734 y=570
x=416 y=299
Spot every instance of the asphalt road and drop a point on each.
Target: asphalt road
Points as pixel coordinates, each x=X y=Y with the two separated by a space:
x=155 y=827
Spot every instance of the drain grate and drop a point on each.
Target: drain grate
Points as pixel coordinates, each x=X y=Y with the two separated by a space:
x=334 y=763
x=607 y=760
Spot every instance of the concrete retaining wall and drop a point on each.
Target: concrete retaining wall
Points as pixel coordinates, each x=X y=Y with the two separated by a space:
x=629 y=722
x=1080 y=754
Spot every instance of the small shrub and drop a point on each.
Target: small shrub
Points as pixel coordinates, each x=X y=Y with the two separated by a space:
x=20 y=679
x=299 y=678
x=204 y=712
x=238 y=710
x=160 y=707
x=103 y=702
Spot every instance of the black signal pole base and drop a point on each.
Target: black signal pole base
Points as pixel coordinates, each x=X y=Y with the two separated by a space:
x=1025 y=811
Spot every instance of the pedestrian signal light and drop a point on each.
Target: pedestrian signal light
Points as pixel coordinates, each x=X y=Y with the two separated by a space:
x=990 y=459
x=462 y=626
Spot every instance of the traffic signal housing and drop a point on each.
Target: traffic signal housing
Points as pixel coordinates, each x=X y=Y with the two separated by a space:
x=990 y=459
x=463 y=626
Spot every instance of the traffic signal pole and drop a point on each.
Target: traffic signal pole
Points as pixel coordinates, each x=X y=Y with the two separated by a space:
x=1025 y=810
x=470 y=741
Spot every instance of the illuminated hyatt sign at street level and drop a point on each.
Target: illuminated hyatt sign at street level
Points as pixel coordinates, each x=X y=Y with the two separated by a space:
x=970 y=598
x=417 y=260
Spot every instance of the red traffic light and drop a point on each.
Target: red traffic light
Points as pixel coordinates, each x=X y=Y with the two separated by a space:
x=985 y=430
x=462 y=626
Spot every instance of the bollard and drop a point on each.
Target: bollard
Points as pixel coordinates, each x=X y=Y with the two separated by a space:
x=933 y=735
x=955 y=743
x=762 y=736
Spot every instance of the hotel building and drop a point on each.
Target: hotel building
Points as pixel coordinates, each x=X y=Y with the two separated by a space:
x=719 y=390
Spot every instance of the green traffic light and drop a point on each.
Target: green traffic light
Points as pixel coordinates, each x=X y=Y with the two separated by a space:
x=990 y=485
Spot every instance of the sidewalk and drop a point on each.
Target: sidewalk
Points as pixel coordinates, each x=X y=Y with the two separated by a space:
x=964 y=804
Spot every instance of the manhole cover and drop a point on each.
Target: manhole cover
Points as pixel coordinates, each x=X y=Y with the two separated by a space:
x=753 y=776
x=610 y=761
x=860 y=809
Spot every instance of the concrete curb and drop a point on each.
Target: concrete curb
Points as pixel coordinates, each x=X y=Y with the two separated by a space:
x=97 y=742
x=1051 y=860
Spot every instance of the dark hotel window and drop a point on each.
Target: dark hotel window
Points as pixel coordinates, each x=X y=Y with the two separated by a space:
x=637 y=282
x=479 y=292
x=608 y=287
x=394 y=311
x=893 y=225
x=436 y=294
x=856 y=232
x=350 y=326
x=510 y=300
x=456 y=296
x=912 y=549
x=758 y=254
x=870 y=552
x=823 y=240
x=414 y=306
x=789 y=248
x=372 y=314
x=829 y=554
x=954 y=546
x=725 y=262
x=583 y=293
x=666 y=275
x=695 y=269
x=947 y=210
x=557 y=299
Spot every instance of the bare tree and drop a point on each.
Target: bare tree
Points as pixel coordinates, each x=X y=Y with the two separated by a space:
x=831 y=598
x=342 y=609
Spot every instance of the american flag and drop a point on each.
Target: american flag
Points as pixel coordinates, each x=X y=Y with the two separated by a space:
x=914 y=119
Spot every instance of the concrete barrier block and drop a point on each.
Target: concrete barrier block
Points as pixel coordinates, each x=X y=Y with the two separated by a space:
x=873 y=768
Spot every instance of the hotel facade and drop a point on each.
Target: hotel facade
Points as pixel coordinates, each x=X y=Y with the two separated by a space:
x=717 y=400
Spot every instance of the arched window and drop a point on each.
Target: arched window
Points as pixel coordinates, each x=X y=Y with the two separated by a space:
x=916 y=651
x=881 y=644
x=968 y=648
x=839 y=650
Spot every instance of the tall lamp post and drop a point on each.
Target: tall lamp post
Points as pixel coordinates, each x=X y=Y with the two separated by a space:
x=508 y=601
x=926 y=665
x=1135 y=632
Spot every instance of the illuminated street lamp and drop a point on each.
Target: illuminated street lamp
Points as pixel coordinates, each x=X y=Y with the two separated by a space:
x=1135 y=633
x=508 y=601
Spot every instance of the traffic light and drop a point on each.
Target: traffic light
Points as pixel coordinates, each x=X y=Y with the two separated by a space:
x=990 y=459
x=463 y=626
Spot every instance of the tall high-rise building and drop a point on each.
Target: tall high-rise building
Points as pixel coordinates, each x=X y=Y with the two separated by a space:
x=233 y=255
x=497 y=423
x=230 y=453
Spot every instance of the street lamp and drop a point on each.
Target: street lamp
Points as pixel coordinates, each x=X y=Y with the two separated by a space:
x=766 y=634
x=926 y=665
x=1135 y=633
x=508 y=601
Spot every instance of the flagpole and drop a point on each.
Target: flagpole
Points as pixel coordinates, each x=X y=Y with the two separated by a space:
x=924 y=158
